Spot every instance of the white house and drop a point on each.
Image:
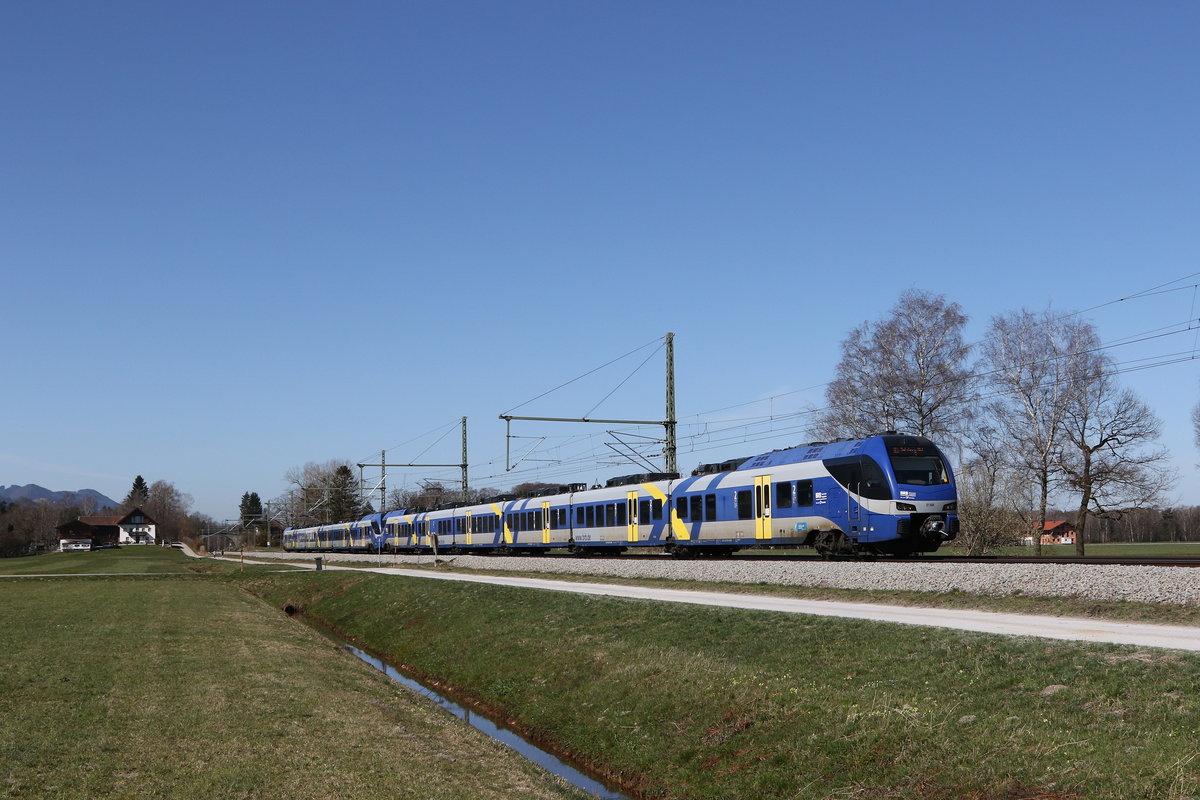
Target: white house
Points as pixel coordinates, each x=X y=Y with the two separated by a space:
x=133 y=528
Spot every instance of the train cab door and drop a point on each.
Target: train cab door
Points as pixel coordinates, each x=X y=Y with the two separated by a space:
x=762 y=507
x=631 y=517
x=545 y=522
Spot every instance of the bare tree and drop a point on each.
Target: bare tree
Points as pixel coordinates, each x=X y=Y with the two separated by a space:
x=906 y=373
x=311 y=500
x=168 y=507
x=1196 y=424
x=1026 y=361
x=989 y=487
x=1108 y=453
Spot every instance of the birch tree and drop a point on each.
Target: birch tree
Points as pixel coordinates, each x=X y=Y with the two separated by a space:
x=906 y=373
x=1025 y=361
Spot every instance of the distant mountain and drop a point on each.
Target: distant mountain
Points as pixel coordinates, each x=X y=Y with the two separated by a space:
x=32 y=493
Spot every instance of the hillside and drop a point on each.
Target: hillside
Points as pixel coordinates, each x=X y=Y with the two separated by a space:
x=32 y=493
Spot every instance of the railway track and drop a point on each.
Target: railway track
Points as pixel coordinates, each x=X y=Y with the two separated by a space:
x=1124 y=561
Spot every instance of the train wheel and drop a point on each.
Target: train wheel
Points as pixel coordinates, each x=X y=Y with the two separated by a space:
x=831 y=544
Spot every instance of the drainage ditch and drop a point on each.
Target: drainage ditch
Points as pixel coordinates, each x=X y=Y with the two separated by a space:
x=546 y=761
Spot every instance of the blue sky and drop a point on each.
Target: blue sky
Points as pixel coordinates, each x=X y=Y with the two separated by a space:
x=237 y=237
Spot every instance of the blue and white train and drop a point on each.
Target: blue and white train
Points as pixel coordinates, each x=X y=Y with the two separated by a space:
x=890 y=494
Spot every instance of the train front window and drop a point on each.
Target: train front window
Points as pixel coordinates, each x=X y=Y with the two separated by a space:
x=919 y=470
x=916 y=461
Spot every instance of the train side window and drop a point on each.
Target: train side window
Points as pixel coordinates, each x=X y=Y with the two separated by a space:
x=697 y=508
x=644 y=511
x=579 y=516
x=745 y=504
x=537 y=520
x=783 y=495
x=710 y=507
x=681 y=508
x=623 y=513
x=804 y=493
x=610 y=515
x=656 y=509
x=591 y=517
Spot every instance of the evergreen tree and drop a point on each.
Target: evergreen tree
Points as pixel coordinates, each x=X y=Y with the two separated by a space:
x=139 y=493
x=344 y=502
x=251 y=506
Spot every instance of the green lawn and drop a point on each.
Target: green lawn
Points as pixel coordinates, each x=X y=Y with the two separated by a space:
x=142 y=559
x=189 y=687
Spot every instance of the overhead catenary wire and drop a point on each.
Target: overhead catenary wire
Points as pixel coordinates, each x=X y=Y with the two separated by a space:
x=699 y=435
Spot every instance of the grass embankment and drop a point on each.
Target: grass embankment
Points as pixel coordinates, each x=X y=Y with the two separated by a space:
x=696 y=702
x=188 y=687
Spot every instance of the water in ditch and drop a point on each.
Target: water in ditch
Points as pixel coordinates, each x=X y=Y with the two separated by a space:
x=529 y=750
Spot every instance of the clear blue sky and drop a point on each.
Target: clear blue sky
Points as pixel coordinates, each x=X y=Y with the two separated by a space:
x=237 y=237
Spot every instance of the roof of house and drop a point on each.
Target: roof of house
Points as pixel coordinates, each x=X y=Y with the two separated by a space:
x=110 y=520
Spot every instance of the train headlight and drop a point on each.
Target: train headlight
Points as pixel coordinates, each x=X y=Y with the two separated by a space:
x=905 y=507
x=950 y=507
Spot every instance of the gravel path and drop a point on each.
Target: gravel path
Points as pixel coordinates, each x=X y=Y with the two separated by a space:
x=1172 y=585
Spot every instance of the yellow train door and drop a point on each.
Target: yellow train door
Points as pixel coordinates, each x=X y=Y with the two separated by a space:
x=762 y=507
x=631 y=499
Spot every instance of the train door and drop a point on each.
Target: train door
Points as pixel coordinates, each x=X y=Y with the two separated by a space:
x=762 y=507
x=631 y=517
x=470 y=530
x=545 y=522
x=854 y=498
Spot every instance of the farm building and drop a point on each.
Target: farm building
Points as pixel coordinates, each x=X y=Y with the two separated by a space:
x=132 y=528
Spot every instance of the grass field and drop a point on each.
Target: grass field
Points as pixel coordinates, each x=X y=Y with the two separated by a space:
x=125 y=560
x=180 y=684
x=188 y=687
